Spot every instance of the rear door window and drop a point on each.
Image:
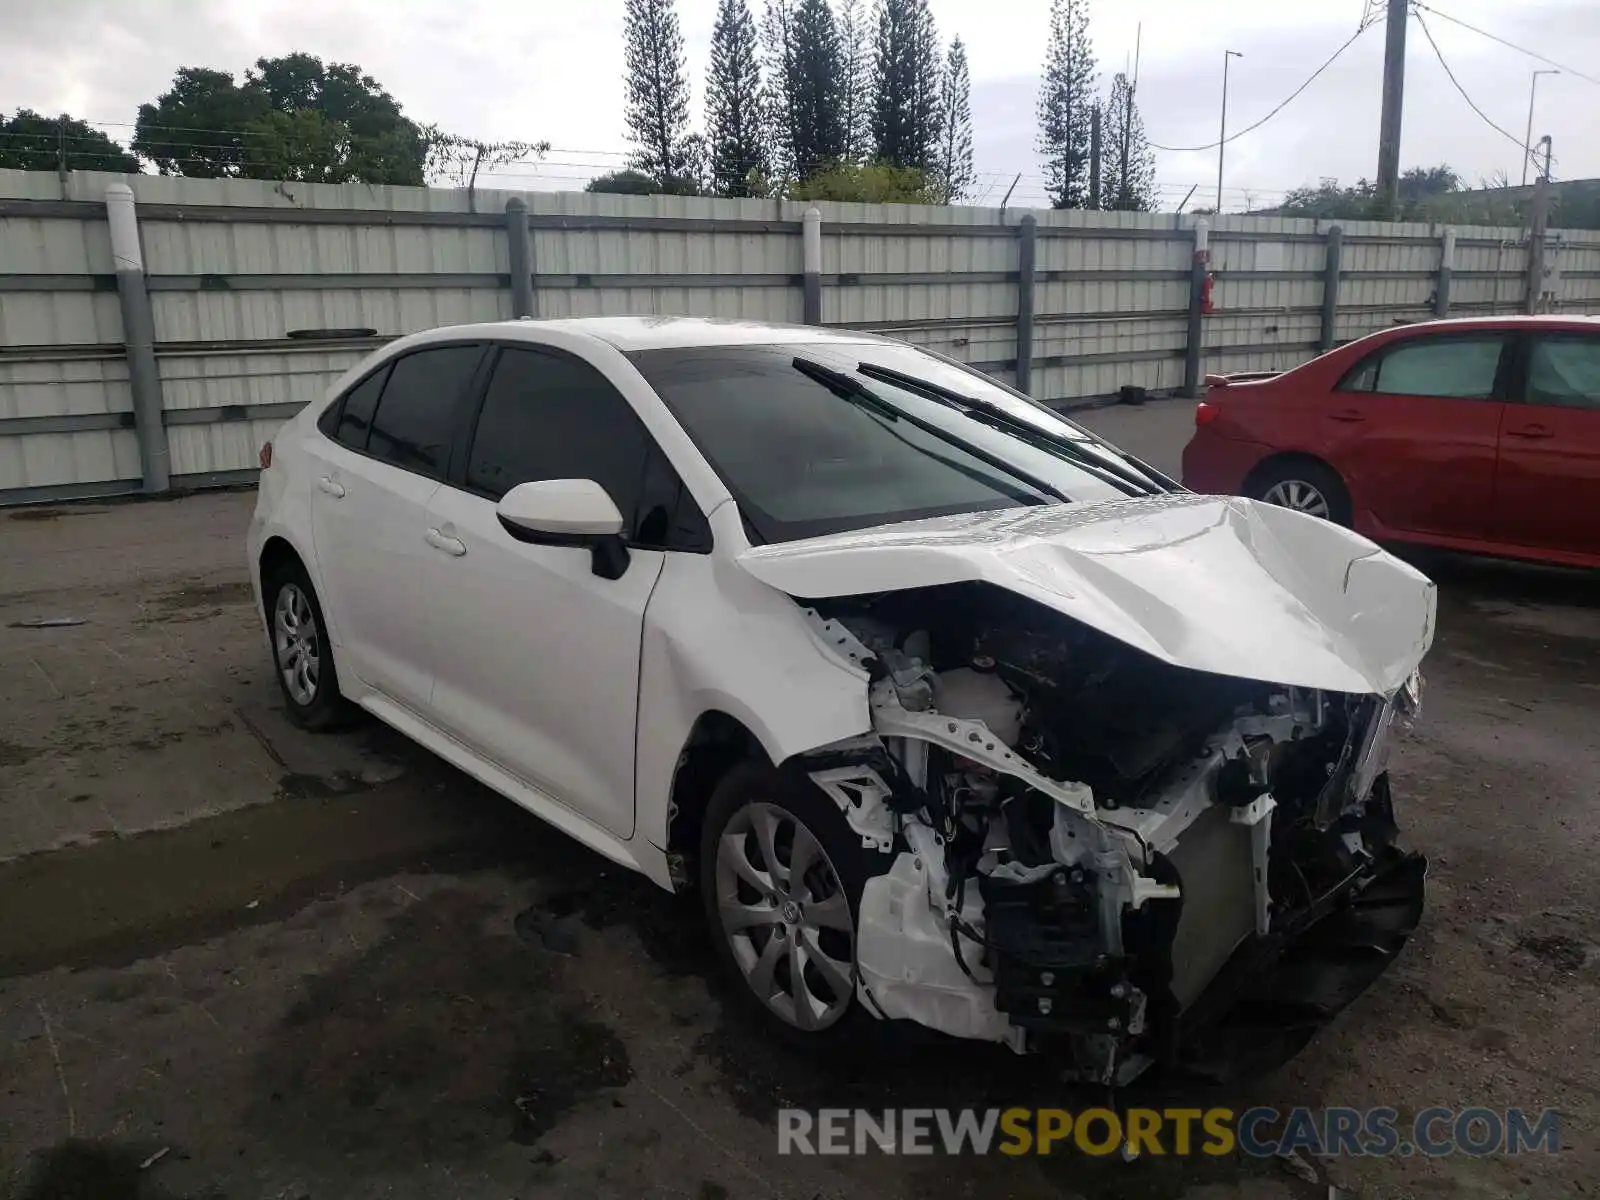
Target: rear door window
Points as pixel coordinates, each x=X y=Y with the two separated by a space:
x=1565 y=372
x=1458 y=368
x=349 y=418
x=417 y=411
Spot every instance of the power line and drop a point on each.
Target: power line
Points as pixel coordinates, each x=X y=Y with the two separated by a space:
x=1439 y=54
x=1281 y=106
x=1509 y=45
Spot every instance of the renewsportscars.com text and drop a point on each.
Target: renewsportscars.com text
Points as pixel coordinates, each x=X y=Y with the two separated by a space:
x=1256 y=1132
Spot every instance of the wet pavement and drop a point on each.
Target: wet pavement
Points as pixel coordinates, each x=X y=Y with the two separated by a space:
x=238 y=961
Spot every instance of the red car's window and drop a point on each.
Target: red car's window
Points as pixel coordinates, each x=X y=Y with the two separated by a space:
x=1463 y=368
x=1565 y=371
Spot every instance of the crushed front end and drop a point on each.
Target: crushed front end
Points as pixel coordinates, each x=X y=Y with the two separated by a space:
x=1107 y=858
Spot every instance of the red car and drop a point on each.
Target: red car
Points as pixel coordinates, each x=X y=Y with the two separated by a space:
x=1480 y=434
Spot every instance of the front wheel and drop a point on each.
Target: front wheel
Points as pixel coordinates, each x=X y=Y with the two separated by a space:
x=781 y=875
x=1307 y=487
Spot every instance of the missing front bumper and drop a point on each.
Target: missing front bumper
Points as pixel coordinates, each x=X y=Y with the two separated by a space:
x=1276 y=992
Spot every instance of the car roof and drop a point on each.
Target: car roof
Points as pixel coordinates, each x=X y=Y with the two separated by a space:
x=1506 y=321
x=657 y=333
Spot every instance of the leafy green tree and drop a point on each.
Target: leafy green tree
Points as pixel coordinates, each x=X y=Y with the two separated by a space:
x=1128 y=166
x=201 y=126
x=1066 y=104
x=30 y=141
x=954 y=157
x=376 y=142
x=869 y=183
x=1359 y=201
x=624 y=183
x=734 y=120
x=656 y=88
x=905 y=110
x=292 y=118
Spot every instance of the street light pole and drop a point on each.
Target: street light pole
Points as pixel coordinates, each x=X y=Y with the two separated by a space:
x=1222 y=138
x=1527 y=141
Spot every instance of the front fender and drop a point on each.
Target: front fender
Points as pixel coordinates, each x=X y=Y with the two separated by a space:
x=717 y=639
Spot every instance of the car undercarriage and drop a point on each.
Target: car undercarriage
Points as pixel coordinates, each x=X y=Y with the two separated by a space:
x=1104 y=857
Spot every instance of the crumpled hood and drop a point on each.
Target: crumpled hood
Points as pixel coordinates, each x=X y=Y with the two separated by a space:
x=1211 y=583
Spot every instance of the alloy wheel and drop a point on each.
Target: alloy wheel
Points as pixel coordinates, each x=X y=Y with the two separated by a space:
x=298 y=643
x=785 y=916
x=1298 y=495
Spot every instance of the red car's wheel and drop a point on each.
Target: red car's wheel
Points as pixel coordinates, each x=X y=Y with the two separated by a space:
x=1305 y=486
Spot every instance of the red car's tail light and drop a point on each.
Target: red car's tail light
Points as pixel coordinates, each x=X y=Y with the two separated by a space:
x=1205 y=413
x=266 y=455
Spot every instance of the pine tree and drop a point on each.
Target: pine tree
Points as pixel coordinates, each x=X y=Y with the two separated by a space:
x=817 y=137
x=1066 y=97
x=734 y=102
x=954 y=168
x=855 y=59
x=1128 y=167
x=778 y=59
x=905 y=108
x=657 y=89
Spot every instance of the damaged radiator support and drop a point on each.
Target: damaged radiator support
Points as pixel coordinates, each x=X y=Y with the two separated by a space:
x=1027 y=910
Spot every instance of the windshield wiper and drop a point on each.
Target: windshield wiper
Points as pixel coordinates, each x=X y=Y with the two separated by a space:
x=853 y=391
x=1123 y=471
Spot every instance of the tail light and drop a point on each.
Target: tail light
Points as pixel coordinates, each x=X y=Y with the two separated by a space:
x=266 y=455
x=1205 y=413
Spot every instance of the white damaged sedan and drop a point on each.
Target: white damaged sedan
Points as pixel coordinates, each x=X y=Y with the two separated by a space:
x=953 y=713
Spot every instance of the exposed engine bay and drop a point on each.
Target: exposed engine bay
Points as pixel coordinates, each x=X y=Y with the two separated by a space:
x=1101 y=856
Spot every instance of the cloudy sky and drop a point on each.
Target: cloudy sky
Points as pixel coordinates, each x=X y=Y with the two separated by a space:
x=550 y=69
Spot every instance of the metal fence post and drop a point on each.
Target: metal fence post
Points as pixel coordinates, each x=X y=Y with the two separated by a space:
x=811 y=261
x=1447 y=264
x=139 y=338
x=1027 y=238
x=1330 y=289
x=1198 y=268
x=521 y=258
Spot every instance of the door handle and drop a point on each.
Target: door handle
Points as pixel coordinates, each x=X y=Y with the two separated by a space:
x=450 y=545
x=332 y=486
x=1532 y=431
x=1349 y=416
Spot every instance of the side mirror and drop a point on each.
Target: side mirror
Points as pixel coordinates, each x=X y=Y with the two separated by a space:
x=567 y=512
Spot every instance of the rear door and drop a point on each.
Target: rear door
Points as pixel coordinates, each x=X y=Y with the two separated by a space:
x=390 y=446
x=1547 y=493
x=1414 y=427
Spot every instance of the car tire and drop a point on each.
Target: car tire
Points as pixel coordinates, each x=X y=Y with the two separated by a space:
x=763 y=934
x=302 y=655
x=1304 y=486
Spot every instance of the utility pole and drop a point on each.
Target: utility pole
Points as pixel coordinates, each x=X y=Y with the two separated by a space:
x=1394 y=87
x=1222 y=137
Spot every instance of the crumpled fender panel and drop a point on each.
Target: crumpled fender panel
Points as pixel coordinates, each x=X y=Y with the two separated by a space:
x=1216 y=584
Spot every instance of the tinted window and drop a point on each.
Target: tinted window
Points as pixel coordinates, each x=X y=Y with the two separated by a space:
x=802 y=460
x=415 y=414
x=547 y=416
x=1461 y=368
x=349 y=420
x=1565 y=371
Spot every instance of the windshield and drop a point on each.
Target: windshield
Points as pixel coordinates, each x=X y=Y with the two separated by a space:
x=807 y=452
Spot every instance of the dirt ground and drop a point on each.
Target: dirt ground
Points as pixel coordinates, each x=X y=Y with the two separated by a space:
x=240 y=961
